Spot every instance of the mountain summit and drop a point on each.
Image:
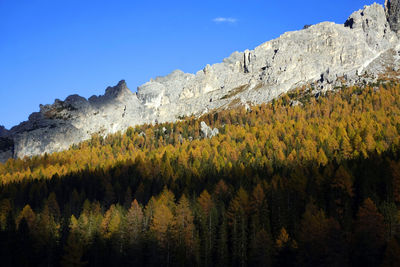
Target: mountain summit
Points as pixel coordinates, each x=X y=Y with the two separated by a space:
x=324 y=56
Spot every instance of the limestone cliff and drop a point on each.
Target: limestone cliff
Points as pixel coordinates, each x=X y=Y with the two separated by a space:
x=325 y=55
x=392 y=8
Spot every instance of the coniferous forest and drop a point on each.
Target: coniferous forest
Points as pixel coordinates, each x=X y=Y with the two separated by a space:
x=302 y=181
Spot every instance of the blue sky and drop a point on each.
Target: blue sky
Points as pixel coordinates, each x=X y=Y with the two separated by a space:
x=50 y=49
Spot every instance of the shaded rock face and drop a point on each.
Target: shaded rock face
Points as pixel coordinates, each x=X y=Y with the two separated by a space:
x=56 y=127
x=6 y=145
x=5 y=155
x=325 y=55
x=3 y=131
x=392 y=8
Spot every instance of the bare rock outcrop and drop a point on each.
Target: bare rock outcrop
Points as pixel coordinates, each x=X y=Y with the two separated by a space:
x=6 y=145
x=325 y=55
x=392 y=8
x=207 y=131
x=3 y=131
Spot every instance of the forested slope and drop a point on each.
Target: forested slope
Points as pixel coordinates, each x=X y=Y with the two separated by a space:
x=304 y=180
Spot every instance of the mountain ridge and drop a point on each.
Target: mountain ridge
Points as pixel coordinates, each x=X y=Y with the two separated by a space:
x=324 y=55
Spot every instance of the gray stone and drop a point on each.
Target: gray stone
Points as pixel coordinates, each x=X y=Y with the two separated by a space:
x=294 y=103
x=392 y=8
x=207 y=131
x=5 y=155
x=3 y=131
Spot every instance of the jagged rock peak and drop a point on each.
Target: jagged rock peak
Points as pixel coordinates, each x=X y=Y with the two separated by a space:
x=117 y=90
x=372 y=20
x=3 y=131
x=392 y=8
x=71 y=103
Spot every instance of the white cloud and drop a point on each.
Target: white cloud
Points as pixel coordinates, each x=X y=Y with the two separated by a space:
x=226 y=20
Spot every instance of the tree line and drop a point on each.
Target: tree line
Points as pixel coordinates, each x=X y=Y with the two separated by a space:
x=315 y=184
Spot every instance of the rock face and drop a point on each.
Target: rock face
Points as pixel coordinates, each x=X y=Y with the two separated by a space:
x=393 y=14
x=323 y=55
x=3 y=131
x=67 y=122
x=6 y=145
x=207 y=131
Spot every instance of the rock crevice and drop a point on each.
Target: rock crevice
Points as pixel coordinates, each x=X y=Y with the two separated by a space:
x=392 y=8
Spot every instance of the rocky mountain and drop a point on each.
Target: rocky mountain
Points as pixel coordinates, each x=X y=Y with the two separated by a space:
x=3 y=131
x=324 y=56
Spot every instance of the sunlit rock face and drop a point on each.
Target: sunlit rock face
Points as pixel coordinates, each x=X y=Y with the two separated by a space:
x=325 y=55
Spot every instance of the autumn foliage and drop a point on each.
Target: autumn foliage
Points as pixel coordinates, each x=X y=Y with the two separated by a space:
x=315 y=184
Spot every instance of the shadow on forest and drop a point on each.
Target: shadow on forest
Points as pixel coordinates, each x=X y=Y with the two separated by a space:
x=333 y=194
